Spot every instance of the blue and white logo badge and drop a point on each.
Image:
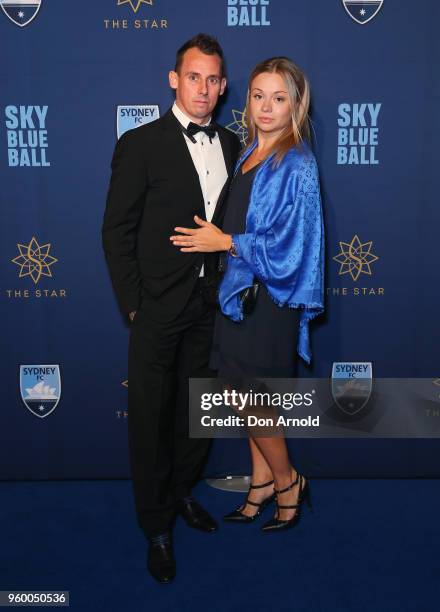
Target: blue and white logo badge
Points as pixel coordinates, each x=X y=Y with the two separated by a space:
x=40 y=387
x=351 y=385
x=362 y=11
x=129 y=117
x=21 y=12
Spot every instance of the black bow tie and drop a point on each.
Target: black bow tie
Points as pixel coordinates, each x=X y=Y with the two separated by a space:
x=192 y=129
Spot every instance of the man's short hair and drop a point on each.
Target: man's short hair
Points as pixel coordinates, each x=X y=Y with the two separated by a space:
x=206 y=44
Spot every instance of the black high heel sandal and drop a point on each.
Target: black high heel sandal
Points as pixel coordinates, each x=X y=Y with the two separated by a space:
x=277 y=524
x=236 y=516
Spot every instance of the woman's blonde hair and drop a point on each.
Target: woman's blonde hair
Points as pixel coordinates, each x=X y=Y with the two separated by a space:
x=298 y=91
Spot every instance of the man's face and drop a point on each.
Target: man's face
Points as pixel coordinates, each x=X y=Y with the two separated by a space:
x=198 y=84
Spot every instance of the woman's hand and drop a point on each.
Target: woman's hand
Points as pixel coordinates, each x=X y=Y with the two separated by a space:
x=207 y=239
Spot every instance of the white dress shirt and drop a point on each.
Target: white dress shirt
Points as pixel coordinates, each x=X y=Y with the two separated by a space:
x=208 y=161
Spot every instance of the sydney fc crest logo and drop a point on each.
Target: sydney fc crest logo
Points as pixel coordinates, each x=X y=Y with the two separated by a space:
x=362 y=11
x=129 y=117
x=351 y=385
x=21 y=12
x=40 y=387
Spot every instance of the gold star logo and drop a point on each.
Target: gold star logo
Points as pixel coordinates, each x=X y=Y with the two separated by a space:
x=34 y=260
x=135 y=4
x=238 y=126
x=355 y=258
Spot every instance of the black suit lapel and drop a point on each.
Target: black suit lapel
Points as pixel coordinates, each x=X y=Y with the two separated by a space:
x=229 y=162
x=179 y=154
x=227 y=153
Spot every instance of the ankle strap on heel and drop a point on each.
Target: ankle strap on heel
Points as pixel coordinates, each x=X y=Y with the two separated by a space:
x=288 y=507
x=278 y=492
x=261 y=486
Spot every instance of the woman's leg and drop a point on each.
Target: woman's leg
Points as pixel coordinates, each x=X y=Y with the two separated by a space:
x=261 y=473
x=275 y=455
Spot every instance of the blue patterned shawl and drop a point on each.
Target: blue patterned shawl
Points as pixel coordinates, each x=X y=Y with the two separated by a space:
x=284 y=241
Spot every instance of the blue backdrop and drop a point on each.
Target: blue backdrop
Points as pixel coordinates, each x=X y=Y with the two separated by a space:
x=67 y=66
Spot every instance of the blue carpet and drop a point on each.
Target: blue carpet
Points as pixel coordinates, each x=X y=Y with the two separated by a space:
x=369 y=545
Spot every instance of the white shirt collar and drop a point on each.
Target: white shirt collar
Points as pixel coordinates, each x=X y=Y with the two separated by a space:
x=182 y=117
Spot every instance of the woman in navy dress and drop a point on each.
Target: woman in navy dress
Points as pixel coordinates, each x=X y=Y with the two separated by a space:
x=272 y=233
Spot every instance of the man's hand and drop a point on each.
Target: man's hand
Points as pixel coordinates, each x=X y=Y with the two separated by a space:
x=132 y=315
x=207 y=239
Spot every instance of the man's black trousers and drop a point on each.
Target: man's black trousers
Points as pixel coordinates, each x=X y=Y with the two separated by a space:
x=165 y=461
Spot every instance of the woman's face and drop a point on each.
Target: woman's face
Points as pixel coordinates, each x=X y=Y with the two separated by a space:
x=269 y=103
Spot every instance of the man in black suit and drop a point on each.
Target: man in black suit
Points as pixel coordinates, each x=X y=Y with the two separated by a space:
x=163 y=175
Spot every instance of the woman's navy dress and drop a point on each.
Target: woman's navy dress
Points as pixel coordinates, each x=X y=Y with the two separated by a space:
x=264 y=342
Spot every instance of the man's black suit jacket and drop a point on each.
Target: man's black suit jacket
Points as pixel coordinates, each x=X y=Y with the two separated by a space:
x=155 y=187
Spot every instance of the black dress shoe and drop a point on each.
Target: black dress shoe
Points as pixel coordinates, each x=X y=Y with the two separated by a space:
x=160 y=562
x=195 y=516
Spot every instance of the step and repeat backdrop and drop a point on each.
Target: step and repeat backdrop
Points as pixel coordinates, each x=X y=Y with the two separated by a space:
x=76 y=75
